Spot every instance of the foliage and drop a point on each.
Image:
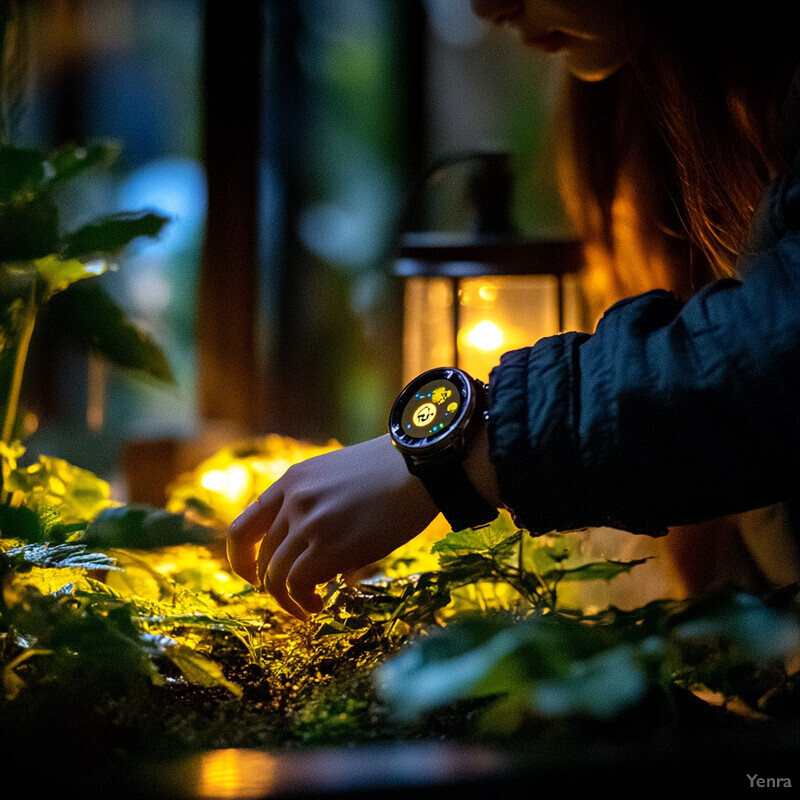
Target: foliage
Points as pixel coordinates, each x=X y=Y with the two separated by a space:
x=57 y=493
x=565 y=665
x=134 y=615
x=38 y=260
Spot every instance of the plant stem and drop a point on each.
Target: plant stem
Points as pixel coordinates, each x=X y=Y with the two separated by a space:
x=19 y=365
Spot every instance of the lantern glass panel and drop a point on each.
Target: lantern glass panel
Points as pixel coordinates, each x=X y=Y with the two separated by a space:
x=495 y=313
x=428 y=338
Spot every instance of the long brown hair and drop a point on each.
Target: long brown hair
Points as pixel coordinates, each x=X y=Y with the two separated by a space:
x=663 y=164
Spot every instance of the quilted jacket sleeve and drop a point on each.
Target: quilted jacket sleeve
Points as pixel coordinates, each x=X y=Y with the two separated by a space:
x=668 y=414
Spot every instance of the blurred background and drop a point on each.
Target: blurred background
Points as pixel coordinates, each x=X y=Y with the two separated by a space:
x=285 y=140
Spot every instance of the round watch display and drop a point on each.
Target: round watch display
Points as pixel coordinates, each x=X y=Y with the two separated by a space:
x=431 y=406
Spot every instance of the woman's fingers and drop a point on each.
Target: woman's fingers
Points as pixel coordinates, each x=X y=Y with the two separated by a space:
x=327 y=515
x=275 y=568
x=283 y=599
x=273 y=539
x=308 y=572
x=247 y=531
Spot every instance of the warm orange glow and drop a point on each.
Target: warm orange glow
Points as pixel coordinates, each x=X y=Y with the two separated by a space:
x=234 y=773
x=236 y=475
x=495 y=314
x=488 y=293
x=233 y=481
x=486 y=335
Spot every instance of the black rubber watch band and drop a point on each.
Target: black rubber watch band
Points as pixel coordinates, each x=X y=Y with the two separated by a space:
x=462 y=505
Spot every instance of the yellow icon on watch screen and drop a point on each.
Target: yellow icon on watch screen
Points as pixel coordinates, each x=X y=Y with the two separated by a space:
x=424 y=414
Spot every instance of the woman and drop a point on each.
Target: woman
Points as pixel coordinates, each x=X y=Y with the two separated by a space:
x=680 y=139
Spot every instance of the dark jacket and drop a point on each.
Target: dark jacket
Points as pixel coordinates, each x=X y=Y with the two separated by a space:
x=668 y=414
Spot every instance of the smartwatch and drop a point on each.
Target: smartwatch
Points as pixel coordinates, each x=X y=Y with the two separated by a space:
x=430 y=424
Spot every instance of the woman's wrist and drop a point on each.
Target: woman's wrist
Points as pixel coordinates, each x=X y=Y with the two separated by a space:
x=479 y=467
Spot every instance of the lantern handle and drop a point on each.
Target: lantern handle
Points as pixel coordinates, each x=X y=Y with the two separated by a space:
x=491 y=190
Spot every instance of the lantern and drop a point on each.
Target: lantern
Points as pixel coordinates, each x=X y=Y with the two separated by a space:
x=469 y=297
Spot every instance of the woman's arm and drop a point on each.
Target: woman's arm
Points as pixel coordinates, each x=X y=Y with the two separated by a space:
x=667 y=414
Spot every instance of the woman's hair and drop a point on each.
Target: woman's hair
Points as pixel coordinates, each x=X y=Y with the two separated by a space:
x=664 y=163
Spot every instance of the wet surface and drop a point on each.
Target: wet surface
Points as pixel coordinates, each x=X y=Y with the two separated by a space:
x=720 y=761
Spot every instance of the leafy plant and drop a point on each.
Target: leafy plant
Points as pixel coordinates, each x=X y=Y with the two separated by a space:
x=38 y=261
x=480 y=641
x=568 y=665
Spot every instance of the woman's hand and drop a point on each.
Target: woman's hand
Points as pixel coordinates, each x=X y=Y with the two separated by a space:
x=329 y=515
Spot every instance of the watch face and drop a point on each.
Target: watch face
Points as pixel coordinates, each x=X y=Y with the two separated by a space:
x=430 y=407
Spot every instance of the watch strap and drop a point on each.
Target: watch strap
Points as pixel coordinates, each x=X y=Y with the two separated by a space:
x=462 y=505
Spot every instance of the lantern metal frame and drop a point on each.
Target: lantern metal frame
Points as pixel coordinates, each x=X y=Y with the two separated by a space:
x=457 y=256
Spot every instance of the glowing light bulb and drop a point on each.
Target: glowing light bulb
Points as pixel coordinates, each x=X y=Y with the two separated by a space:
x=486 y=335
x=488 y=293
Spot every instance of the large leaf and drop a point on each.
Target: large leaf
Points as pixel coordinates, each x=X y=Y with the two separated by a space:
x=109 y=235
x=59 y=273
x=77 y=494
x=28 y=230
x=593 y=571
x=68 y=162
x=22 y=172
x=89 y=316
x=601 y=686
x=94 y=652
x=749 y=630
x=550 y=665
x=482 y=540
x=19 y=522
x=452 y=664
x=143 y=527
x=42 y=524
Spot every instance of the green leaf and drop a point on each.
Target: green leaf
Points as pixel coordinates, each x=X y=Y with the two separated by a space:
x=464 y=568
x=493 y=538
x=549 y=553
x=91 y=318
x=77 y=494
x=41 y=524
x=95 y=652
x=596 y=570
x=20 y=523
x=22 y=172
x=59 y=273
x=552 y=664
x=68 y=161
x=470 y=659
x=109 y=235
x=199 y=670
x=144 y=527
x=601 y=686
x=28 y=230
x=749 y=630
x=445 y=667
x=61 y=556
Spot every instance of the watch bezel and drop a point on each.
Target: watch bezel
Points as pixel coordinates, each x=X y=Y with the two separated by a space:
x=430 y=446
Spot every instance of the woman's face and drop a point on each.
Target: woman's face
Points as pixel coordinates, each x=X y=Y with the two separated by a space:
x=595 y=37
